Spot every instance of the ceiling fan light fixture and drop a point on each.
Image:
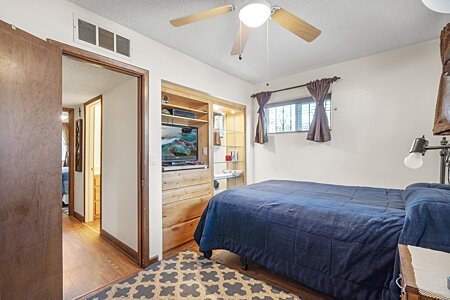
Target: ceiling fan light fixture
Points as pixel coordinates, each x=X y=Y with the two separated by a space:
x=255 y=13
x=441 y=6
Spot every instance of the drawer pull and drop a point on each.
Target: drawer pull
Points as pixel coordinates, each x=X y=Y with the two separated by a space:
x=397 y=281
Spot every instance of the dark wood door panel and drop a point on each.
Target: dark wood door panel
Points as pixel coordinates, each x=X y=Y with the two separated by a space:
x=30 y=167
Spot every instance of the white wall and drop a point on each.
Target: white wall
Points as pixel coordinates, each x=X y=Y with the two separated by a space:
x=119 y=163
x=97 y=137
x=78 y=196
x=380 y=105
x=54 y=19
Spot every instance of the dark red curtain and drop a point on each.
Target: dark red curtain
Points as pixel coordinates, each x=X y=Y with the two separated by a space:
x=319 y=131
x=442 y=114
x=261 y=130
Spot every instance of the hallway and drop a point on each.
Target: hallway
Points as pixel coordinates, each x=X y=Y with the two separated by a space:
x=89 y=262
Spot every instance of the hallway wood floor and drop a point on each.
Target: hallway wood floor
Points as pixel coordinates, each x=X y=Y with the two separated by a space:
x=89 y=262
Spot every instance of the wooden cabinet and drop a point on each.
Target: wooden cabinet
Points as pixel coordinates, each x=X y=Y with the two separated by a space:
x=185 y=196
x=97 y=196
x=185 y=193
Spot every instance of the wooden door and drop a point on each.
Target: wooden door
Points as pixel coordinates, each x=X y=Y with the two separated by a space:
x=30 y=167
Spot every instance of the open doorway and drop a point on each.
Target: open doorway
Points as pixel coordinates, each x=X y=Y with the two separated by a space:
x=102 y=240
x=93 y=162
x=67 y=198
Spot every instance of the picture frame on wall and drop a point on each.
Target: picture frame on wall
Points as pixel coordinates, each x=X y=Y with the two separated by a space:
x=79 y=146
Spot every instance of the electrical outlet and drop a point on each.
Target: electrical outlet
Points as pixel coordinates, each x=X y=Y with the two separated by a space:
x=205 y=150
x=153 y=160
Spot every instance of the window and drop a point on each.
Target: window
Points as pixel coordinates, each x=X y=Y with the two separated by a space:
x=293 y=116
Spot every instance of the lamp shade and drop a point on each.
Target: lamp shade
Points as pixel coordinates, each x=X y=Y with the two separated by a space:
x=255 y=13
x=414 y=160
x=441 y=6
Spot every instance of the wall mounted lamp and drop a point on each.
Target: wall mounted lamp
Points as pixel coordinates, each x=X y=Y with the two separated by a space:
x=418 y=149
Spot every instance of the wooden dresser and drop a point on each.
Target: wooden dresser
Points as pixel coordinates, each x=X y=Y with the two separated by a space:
x=423 y=273
x=185 y=194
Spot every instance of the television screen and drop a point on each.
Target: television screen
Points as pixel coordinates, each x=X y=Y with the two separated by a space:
x=179 y=143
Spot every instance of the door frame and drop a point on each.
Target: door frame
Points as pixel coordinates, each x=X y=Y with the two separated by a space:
x=71 y=113
x=85 y=105
x=142 y=76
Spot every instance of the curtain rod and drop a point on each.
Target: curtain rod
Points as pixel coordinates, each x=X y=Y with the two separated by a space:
x=335 y=78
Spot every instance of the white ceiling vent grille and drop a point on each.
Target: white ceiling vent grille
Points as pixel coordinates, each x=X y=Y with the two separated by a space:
x=102 y=37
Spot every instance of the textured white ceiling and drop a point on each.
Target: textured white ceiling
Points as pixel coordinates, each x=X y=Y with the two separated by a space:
x=83 y=81
x=350 y=29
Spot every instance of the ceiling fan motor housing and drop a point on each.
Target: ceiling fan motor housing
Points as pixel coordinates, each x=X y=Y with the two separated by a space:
x=255 y=13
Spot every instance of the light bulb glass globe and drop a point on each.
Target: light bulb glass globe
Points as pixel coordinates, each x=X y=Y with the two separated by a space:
x=414 y=160
x=441 y=6
x=255 y=13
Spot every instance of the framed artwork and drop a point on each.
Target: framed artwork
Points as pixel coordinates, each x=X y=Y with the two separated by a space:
x=79 y=146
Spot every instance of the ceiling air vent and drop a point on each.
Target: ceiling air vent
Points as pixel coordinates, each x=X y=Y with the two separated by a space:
x=102 y=37
x=105 y=39
x=122 y=45
x=87 y=32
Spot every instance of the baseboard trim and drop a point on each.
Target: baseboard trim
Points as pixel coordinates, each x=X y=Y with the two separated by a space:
x=97 y=290
x=150 y=261
x=78 y=217
x=120 y=245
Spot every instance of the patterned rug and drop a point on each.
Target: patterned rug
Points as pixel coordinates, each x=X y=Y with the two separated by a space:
x=190 y=276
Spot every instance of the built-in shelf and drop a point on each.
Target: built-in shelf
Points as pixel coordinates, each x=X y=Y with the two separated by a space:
x=183 y=167
x=227 y=131
x=167 y=105
x=178 y=118
x=228 y=146
x=226 y=176
x=226 y=162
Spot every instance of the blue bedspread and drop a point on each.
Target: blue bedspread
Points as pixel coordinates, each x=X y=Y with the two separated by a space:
x=341 y=240
x=65 y=180
x=427 y=221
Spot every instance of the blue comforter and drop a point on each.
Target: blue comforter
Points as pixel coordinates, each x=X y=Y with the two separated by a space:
x=65 y=180
x=341 y=240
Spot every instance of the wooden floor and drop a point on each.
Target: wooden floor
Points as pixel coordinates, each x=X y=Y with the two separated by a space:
x=89 y=262
x=232 y=261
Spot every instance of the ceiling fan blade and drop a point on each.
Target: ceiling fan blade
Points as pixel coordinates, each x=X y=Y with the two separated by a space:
x=295 y=25
x=202 y=15
x=241 y=40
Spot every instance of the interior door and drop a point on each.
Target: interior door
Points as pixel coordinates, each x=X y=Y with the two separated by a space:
x=30 y=167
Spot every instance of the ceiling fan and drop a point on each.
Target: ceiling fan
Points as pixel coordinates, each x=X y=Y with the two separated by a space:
x=252 y=15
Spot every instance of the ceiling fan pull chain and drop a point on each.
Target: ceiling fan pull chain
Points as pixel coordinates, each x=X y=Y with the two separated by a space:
x=267 y=52
x=240 y=40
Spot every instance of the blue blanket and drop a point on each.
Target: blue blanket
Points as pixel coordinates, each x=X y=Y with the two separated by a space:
x=341 y=240
x=427 y=220
x=65 y=180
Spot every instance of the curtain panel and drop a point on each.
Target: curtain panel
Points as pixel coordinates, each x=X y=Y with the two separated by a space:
x=65 y=136
x=442 y=114
x=319 y=131
x=261 y=131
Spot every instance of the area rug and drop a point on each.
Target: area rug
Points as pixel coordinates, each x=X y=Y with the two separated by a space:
x=191 y=276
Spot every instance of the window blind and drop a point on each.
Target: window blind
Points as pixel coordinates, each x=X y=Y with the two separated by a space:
x=293 y=115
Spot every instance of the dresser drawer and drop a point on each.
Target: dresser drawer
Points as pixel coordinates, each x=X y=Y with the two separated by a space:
x=182 y=211
x=179 y=179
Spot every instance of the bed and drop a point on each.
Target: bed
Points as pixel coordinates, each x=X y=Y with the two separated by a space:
x=340 y=240
x=65 y=185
